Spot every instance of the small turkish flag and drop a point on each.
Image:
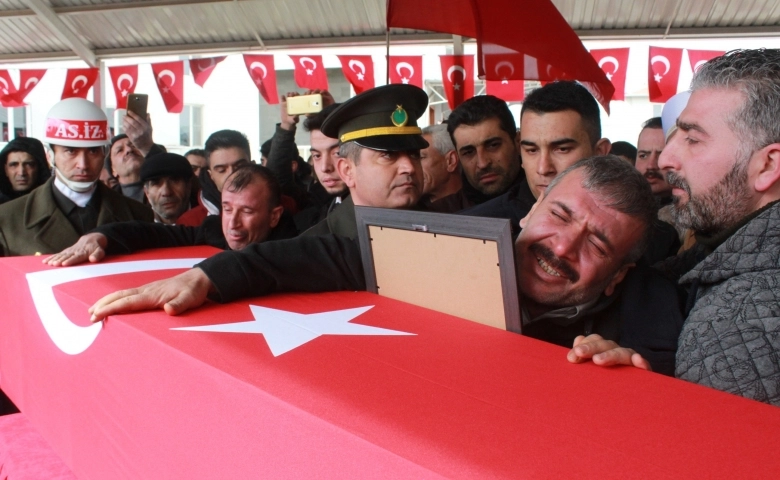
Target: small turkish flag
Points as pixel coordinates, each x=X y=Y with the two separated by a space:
x=700 y=57
x=506 y=90
x=310 y=72
x=169 y=76
x=202 y=67
x=7 y=89
x=78 y=81
x=663 y=72
x=406 y=69
x=28 y=79
x=359 y=71
x=263 y=72
x=123 y=78
x=457 y=72
x=614 y=63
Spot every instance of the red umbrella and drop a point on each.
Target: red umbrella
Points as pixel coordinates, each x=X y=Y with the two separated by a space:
x=516 y=39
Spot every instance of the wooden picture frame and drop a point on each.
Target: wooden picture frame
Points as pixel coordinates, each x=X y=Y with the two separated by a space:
x=457 y=264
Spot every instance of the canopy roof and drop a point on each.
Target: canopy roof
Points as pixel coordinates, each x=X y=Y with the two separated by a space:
x=34 y=30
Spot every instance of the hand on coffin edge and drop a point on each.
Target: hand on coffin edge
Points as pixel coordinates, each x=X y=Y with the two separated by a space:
x=604 y=353
x=90 y=247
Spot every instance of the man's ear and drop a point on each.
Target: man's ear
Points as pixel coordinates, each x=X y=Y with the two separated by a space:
x=451 y=160
x=603 y=146
x=276 y=215
x=617 y=278
x=524 y=220
x=768 y=168
x=346 y=169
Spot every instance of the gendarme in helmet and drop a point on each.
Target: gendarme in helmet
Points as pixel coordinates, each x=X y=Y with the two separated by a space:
x=77 y=131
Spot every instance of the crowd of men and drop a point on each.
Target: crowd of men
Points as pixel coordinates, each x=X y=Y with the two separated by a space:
x=663 y=256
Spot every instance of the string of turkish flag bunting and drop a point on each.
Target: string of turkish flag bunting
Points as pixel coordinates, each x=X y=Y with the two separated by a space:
x=457 y=71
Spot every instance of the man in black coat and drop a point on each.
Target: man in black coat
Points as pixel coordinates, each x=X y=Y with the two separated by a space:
x=251 y=213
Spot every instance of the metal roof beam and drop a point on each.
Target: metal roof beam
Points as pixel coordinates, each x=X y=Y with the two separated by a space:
x=108 y=7
x=65 y=34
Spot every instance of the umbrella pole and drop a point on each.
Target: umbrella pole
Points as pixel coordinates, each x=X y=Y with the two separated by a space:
x=387 y=57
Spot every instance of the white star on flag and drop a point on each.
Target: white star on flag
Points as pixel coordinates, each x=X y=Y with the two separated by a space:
x=658 y=77
x=124 y=93
x=309 y=71
x=456 y=86
x=609 y=77
x=404 y=80
x=166 y=89
x=360 y=76
x=285 y=331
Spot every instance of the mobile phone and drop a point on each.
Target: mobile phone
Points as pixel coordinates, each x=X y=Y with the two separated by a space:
x=136 y=103
x=303 y=104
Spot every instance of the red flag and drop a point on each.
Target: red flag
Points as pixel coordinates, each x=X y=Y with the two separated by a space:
x=7 y=89
x=614 y=63
x=700 y=57
x=359 y=71
x=310 y=72
x=169 y=78
x=457 y=72
x=663 y=72
x=540 y=36
x=407 y=69
x=506 y=90
x=28 y=79
x=202 y=67
x=263 y=72
x=78 y=81
x=124 y=80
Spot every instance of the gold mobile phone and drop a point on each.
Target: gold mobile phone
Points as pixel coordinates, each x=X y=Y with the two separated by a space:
x=137 y=103
x=303 y=104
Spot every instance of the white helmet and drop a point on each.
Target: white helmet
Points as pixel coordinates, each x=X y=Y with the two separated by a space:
x=76 y=122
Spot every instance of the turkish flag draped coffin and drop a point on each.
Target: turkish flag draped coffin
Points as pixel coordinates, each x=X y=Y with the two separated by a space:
x=310 y=72
x=341 y=385
x=124 y=79
x=406 y=69
x=261 y=70
x=201 y=68
x=359 y=71
x=663 y=72
x=700 y=57
x=614 y=63
x=170 y=81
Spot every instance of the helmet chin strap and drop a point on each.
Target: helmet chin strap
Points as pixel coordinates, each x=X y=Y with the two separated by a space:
x=78 y=187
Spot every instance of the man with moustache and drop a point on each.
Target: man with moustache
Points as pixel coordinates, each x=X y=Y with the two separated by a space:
x=441 y=169
x=24 y=167
x=723 y=163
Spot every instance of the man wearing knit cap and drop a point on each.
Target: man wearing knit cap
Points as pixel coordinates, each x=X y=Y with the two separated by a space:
x=73 y=201
x=380 y=164
x=167 y=181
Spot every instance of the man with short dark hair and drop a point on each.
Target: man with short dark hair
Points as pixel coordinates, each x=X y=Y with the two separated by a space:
x=126 y=161
x=24 y=167
x=167 y=180
x=723 y=164
x=624 y=150
x=226 y=151
x=485 y=137
x=251 y=213
x=649 y=147
x=197 y=159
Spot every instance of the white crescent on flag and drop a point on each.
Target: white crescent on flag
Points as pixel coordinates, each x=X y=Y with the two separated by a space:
x=664 y=61
x=611 y=60
x=166 y=73
x=402 y=66
x=32 y=80
x=453 y=69
x=79 y=78
x=698 y=65
x=210 y=63
x=5 y=83
x=127 y=77
x=304 y=60
x=259 y=65
x=505 y=63
x=66 y=335
x=357 y=63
